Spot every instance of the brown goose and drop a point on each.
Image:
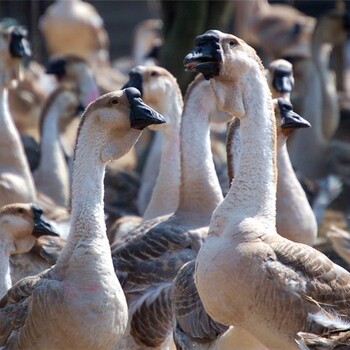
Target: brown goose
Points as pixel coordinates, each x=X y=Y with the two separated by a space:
x=78 y=303
x=262 y=276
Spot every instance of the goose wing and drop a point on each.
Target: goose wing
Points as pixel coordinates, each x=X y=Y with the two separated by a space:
x=146 y=266
x=303 y=272
x=192 y=321
x=17 y=314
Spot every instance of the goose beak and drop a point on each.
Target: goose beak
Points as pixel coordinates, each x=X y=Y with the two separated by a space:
x=206 y=55
x=135 y=80
x=291 y=119
x=141 y=115
x=283 y=81
x=41 y=227
x=57 y=67
x=19 y=45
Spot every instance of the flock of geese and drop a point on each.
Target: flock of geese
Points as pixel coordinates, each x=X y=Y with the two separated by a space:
x=211 y=247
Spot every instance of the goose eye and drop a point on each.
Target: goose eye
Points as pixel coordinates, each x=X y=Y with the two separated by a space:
x=154 y=74
x=21 y=210
x=115 y=101
x=233 y=43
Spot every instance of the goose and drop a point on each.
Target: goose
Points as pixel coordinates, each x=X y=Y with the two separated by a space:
x=160 y=90
x=82 y=289
x=269 y=286
x=157 y=249
x=295 y=218
x=16 y=182
x=52 y=175
x=278 y=29
x=63 y=18
x=194 y=328
x=20 y=225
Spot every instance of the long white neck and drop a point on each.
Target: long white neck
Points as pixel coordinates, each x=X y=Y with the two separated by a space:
x=200 y=190
x=321 y=52
x=295 y=218
x=87 y=236
x=253 y=190
x=165 y=196
x=12 y=156
x=5 y=277
x=52 y=175
x=150 y=172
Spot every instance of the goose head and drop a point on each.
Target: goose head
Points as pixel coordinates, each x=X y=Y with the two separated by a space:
x=229 y=60
x=76 y=70
x=286 y=119
x=280 y=77
x=157 y=86
x=115 y=122
x=13 y=47
x=215 y=53
x=20 y=226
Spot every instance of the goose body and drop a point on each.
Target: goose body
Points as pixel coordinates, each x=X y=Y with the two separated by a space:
x=82 y=289
x=270 y=286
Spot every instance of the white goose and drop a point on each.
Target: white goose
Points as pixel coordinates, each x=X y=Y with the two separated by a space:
x=195 y=329
x=20 y=226
x=16 y=182
x=78 y=303
x=295 y=219
x=160 y=90
x=158 y=250
x=270 y=286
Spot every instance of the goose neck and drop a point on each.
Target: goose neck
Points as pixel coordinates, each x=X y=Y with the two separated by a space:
x=87 y=215
x=53 y=167
x=165 y=195
x=200 y=191
x=10 y=141
x=253 y=190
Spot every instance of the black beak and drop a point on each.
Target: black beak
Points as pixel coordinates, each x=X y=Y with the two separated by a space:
x=135 y=80
x=141 y=115
x=282 y=81
x=57 y=67
x=19 y=45
x=206 y=55
x=41 y=227
x=290 y=119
